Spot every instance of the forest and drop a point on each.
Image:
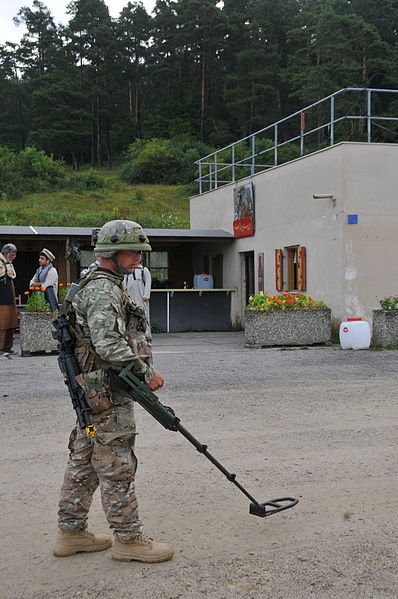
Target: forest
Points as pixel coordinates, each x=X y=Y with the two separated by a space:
x=200 y=71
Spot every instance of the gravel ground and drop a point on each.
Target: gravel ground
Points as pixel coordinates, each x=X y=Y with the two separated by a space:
x=319 y=424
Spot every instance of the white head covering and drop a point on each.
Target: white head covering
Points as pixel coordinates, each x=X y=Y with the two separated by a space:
x=47 y=254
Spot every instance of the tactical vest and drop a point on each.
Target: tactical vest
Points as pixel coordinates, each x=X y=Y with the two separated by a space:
x=136 y=326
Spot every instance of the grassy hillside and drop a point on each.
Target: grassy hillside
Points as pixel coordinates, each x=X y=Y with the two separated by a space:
x=153 y=206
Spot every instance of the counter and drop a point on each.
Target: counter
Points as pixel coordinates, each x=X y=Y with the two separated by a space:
x=177 y=310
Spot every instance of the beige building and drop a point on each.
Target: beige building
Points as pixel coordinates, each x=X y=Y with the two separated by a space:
x=326 y=223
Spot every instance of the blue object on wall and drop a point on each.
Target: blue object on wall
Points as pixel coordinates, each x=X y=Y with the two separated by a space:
x=352 y=219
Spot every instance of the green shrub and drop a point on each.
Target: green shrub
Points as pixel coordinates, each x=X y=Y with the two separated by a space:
x=170 y=161
x=389 y=303
x=38 y=171
x=86 y=181
x=130 y=172
x=26 y=171
x=10 y=180
x=36 y=301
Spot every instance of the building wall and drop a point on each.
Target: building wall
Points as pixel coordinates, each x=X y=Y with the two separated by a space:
x=370 y=247
x=348 y=266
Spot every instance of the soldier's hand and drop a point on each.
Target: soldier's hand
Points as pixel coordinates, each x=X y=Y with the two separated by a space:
x=156 y=382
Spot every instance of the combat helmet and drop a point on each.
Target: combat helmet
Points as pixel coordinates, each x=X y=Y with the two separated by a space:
x=118 y=235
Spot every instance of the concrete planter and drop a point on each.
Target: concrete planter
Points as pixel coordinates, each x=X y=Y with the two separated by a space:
x=385 y=327
x=287 y=327
x=35 y=329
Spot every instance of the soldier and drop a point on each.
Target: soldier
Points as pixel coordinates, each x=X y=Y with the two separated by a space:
x=108 y=330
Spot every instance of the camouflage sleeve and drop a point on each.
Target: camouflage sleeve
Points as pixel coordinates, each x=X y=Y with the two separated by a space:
x=106 y=323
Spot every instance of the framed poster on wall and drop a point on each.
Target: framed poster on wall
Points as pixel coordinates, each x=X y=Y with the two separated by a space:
x=244 y=210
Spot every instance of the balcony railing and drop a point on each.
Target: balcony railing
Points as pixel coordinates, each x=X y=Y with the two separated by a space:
x=321 y=124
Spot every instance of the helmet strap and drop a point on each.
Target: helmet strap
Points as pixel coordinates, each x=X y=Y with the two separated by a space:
x=119 y=268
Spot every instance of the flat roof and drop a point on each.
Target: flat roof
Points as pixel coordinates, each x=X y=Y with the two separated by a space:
x=161 y=234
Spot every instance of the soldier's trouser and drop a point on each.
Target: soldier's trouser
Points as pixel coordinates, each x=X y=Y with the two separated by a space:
x=111 y=465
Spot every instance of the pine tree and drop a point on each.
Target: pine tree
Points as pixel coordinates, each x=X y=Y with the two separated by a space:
x=13 y=100
x=201 y=37
x=253 y=75
x=39 y=47
x=133 y=32
x=93 y=40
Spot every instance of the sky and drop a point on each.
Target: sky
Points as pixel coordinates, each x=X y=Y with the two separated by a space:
x=9 y=9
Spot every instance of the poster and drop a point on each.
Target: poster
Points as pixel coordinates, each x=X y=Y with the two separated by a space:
x=244 y=210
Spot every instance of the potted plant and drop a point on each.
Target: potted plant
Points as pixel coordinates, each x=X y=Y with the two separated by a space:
x=385 y=322
x=286 y=319
x=35 y=322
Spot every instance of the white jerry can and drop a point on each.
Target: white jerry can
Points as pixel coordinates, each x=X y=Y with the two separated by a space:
x=203 y=281
x=354 y=334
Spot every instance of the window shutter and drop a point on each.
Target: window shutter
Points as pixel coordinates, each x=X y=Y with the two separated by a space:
x=301 y=269
x=279 y=270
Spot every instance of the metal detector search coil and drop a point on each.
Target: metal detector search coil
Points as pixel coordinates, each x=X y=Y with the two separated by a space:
x=277 y=505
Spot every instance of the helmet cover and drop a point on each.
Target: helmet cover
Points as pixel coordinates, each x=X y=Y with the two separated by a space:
x=118 y=235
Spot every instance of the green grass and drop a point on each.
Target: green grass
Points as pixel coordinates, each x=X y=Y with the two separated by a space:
x=381 y=348
x=153 y=206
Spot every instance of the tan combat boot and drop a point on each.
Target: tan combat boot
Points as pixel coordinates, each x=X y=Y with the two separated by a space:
x=70 y=543
x=141 y=549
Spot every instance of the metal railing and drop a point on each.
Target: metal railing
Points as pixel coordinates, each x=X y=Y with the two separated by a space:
x=227 y=164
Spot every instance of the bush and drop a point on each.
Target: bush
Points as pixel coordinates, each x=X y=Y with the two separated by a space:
x=30 y=170
x=170 y=161
x=86 y=181
x=38 y=171
x=36 y=301
x=283 y=301
x=10 y=180
x=389 y=303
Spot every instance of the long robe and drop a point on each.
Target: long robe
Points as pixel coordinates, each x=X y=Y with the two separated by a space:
x=8 y=309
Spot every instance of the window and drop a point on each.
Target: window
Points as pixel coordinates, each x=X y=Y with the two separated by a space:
x=213 y=265
x=158 y=264
x=290 y=269
x=291 y=264
x=87 y=258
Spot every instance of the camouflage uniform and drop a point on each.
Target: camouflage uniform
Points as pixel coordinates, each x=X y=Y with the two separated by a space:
x=108 y=330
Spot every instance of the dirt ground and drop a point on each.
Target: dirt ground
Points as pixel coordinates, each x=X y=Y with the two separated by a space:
x=319 y=424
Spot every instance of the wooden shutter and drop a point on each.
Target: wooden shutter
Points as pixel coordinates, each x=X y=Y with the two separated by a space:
x=301 y=269
x=279 y=270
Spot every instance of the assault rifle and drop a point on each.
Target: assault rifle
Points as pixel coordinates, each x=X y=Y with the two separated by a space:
x=167 y=418
x=68 y=365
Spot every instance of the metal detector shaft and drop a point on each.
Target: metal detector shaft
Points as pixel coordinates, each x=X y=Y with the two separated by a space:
x=203 y=449
x=167 y=418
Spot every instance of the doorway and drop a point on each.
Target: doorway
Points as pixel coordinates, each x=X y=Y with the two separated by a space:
x=247 y=277
x=26 y=264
